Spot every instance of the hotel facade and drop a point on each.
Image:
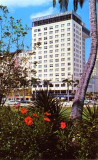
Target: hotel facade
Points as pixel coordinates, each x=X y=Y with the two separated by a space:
x=61 y=54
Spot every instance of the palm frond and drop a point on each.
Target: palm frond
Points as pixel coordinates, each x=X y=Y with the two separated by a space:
x=54 y=3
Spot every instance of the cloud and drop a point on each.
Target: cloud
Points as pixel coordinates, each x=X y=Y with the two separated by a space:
x=50 y=11
x=24 y=3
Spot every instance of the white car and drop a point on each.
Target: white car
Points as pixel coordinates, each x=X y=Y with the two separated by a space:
x=10 y=103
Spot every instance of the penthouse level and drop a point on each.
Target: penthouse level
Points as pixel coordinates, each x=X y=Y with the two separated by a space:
x=58 y=18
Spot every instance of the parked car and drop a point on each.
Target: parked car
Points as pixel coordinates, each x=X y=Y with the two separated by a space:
x=10 y=103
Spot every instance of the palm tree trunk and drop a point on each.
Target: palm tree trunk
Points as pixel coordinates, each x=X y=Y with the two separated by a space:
x=68 y=91
x=77 y=107
x=24 y=93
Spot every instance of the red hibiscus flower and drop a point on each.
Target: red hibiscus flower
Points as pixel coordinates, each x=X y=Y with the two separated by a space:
x=47 y=114
x=35 y=115
x=17 y=106
x=47 y=119
x=23 y=110
x=63 y=125
x=28 y=120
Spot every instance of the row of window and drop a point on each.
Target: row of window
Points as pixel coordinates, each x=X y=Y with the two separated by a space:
x=56 y=74
x=51 y=27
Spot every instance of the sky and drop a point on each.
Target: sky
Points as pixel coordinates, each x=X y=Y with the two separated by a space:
x=29 y=9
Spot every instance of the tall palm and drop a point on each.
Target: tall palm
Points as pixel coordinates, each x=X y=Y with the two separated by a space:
x=69 y=83
x=47 y=83
x=77 y=107
x=24 y=83
x=35 y=82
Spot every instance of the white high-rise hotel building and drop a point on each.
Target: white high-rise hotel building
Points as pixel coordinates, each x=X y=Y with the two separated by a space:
x=61 y=54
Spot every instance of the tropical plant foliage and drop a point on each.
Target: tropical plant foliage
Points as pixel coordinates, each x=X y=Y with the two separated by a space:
x=30 y=133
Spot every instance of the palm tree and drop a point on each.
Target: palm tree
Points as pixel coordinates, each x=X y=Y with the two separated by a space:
x=69 y=83
x=35 y=82
x=77 y=107
x=24 y=83
x=47 y=83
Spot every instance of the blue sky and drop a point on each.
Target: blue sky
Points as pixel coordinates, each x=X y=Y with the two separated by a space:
x=28 y=9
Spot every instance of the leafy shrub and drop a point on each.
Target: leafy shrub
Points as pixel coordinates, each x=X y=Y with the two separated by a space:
x=29 y=133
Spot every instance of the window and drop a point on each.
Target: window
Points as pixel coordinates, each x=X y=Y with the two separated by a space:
x=56 y=50
x=56 y=36
x=62 y=40
x=45 y=66
x=45 y=42
x=68 y=34
x=39 y=34
x=56 y=26
x=62 y=74
x=62 y=59
x=62 y=64
x=51 y=65
x=69 y=64
x=56 y=79
x=68 y=24
x=39 y=30
x=62 y=45
x=51 y=51
x=63 y=49
x=35 y=30
x=45 y=61
x=51 y=27
x=56 y=85
x=45 y=38
x=45 y=75
x=45 y=51
x=50 y=32
x=56 y=60
x=62 y=85
x=62 y=35
x=56 y=31
x=57 y=65
x=39 y=66
x=57 y=74
x=51 y=46
x=45 y=70
x=62 y=30
x=45 y=56
x=50 y=42
x=68 y=44
x=45 y=47
x=50 y=75
x=56 y=45
x=56 y=41
x=50 y=70
x=68 y=39
x=62 y=69
x=51 y=56
x=68 y=58
x=68 y=68
x=51 y=60
x=40 y=57
x=68 y=29
x=39 y=71
x=45 y=33
x=50 y=37
x=68 y=49
x=57 y=69
x=69 y=73
x=45 y=28
x=62 y=54
x=40 y=75
x=62 y=25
